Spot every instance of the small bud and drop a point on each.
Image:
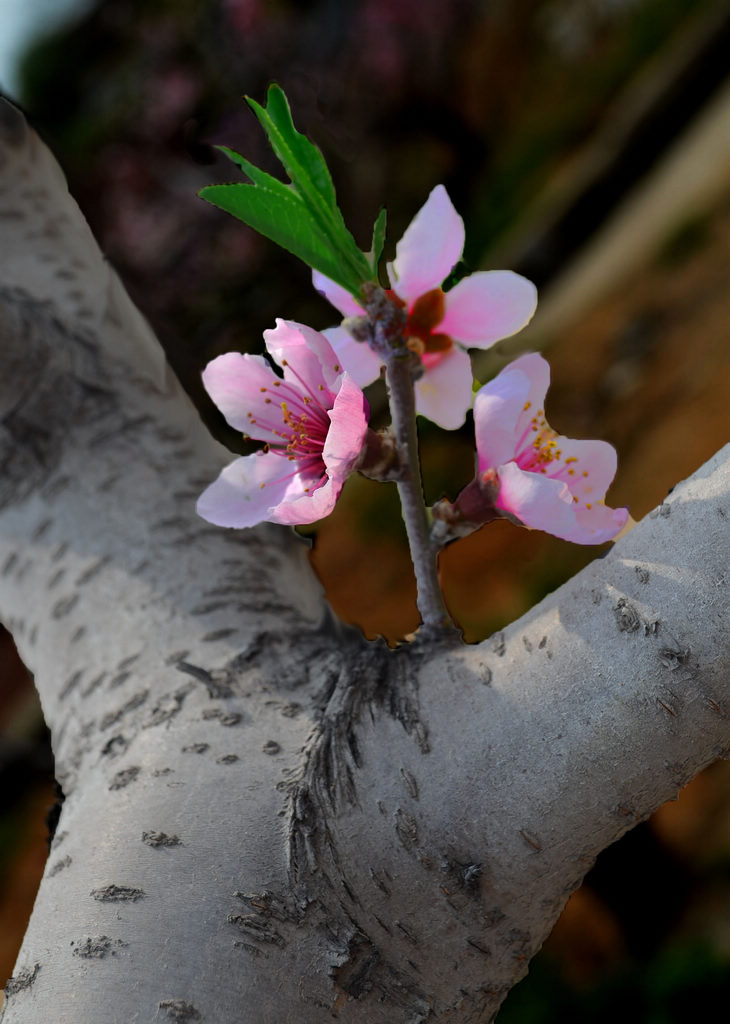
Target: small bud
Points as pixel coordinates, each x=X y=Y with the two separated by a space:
x=380 y=458
x=358 y=327
x=473 y=508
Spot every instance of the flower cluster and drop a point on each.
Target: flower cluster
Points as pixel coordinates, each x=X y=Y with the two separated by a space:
x=314 y=417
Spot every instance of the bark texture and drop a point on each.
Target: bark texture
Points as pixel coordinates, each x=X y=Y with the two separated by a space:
x=269 y=819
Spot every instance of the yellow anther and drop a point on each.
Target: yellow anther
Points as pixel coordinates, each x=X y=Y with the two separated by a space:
x=416 y=345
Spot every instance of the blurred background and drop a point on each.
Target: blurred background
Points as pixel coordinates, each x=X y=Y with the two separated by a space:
x=587 y=145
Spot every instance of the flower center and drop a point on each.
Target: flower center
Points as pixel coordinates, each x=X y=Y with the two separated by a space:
x=538 y=447
x=306 y=427
x=538 y=452
x=426 y=313
x=299 y=420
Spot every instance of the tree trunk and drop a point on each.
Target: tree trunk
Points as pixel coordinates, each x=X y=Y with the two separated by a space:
x=268 y=818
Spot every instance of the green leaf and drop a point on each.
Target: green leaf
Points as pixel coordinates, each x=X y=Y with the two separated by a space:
x=302 y=217
x=302 y=160
x=279 y=214
x=310 y=177
x=257 y=176
x=378 y=239
x=277 y=211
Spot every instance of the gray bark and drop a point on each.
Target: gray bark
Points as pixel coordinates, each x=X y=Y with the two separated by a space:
x=268 y=818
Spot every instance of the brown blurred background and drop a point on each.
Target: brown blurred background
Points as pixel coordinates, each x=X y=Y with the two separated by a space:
x=587 y=145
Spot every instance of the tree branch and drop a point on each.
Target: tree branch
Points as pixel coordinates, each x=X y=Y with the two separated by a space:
x=269 y=818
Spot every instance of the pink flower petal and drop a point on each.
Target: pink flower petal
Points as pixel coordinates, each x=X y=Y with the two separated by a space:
x=357 y=357
x=337 y=295
x=247 y=491
x=311 y=506
x=346 y=435
x=443 y=393
x=499 y=408
x=537 y=371
x=310 y=361
x=597 y=524
x=587 y=467
x=487 y=306
x=430 y=248
x=239 y=385
x=537 y=501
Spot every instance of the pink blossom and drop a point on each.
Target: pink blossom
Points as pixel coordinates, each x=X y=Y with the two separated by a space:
x=479 y=311
x=529 y=472
x=313 y=420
